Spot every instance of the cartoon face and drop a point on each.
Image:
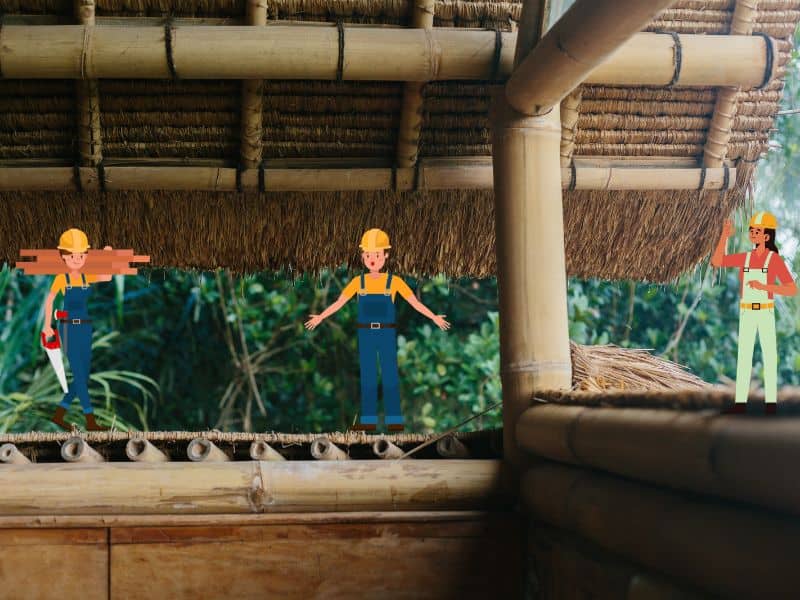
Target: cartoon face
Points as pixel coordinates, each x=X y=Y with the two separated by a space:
x=757 y=235
x=75 y=261
x=375 y=260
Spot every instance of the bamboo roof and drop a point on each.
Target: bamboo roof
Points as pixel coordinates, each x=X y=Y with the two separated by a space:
x=656 y=234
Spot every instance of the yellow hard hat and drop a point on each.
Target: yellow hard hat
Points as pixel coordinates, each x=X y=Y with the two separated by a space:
x=375 y=239
x=73 y=240
x=764 y=220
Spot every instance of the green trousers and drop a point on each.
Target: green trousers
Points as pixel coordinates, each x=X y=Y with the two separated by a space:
x=761 y=322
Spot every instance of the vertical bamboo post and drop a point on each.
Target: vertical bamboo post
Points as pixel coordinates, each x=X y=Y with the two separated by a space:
x=411 y=109
x=203 y=450
x=10 y=454
x=90 y=151
x=253 y=99
x=141 y=450
x=531 y=268
x=569 y=125
x=719 y=131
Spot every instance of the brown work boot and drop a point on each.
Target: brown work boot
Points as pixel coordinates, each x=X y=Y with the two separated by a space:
x=396 y=427
x=739 y=408
x=58 y=418
x=771 y=408
x=91 y=424
x=363 y=427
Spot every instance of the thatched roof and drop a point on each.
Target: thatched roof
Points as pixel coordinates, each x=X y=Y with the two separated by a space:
x=655 y=235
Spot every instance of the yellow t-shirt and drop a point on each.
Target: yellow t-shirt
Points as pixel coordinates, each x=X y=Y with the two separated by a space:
x=377 y=285
x=60 y=282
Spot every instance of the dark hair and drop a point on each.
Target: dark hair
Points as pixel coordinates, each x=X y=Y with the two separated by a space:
x=770 y=243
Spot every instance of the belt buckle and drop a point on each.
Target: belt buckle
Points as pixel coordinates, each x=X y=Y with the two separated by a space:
x=374 y=325
x=756 y=306
x=76 y=321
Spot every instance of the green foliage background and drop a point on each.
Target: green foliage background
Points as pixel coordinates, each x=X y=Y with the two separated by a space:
x=178 y=350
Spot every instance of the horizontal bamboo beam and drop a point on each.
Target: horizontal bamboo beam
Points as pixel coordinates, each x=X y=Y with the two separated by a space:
x=740 y=458
x=248 y=487
x=469 y=173
x=754 y=552
x=367 y=53
x=59 y=521
x=583 y=38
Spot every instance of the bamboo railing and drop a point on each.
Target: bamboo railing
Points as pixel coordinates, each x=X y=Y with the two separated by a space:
x=744 y=459
x=431 y=174
x=357 y=53
x=248 y=487
x=588 y=34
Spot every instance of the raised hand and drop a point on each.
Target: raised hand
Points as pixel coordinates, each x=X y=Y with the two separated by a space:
x=727 y=229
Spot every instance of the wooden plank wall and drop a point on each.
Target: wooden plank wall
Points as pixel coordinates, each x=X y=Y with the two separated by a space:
x=479 y=558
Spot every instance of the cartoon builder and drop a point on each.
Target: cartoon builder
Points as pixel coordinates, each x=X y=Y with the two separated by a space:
x=75 y=329
x=377 y=333
x=758 y=271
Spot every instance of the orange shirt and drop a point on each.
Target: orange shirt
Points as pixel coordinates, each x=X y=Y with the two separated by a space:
x=776 y=271
x=377 y=285
x=60 y=282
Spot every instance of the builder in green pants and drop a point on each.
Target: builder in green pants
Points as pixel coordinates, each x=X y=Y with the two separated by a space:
x=759 y=270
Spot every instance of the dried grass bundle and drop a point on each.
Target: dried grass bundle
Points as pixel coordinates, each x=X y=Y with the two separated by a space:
x=601 y=368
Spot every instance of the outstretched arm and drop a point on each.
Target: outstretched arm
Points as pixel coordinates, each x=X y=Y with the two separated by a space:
x=317 y=319
x=719 y=251
x=421 y=308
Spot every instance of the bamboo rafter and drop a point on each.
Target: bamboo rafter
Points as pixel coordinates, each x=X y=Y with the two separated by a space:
x=90 y=150
x=719 y=131
x=411 y=109
x=253 y=99
x=362 y=54
x=431 y=174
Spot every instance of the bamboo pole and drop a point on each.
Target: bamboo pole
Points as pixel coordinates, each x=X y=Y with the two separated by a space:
x=434 y=174
x=450 y=447
x=719 y=131
x=9 y=454
x=411 y=108
x=534 y=339
x=743 y=459
x=370 y=53
x=253 y=98
x=141 y=450
x=323 y=449
x=203 y=450
x=261 y=450
x=588 y=34
x=570 y=111
x=88 y=96
x=386 y=450
x=754 y=552
x=77 y=450
x=249 y=487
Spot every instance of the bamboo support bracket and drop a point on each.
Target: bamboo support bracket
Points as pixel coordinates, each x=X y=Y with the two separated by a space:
x=367 y=54
x=77 y=450
x=90 y=151
x=588 y=34
x=432 y=174
x=726 y=104
x=203 y=450
x=238 y=487
x=671 y=532
x=450 y=447
x=253 y=99
x=261 y=450
x=10 y=454
x=141 y=450
x=324 y=449
x=570 y=112
x=386 y=450
x=743 y=459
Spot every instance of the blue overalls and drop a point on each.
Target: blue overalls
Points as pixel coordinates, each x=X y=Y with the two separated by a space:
x=375 y=345
x=77 y=341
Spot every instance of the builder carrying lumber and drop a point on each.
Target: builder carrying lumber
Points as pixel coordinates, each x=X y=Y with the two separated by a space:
x=759 y=270
x=377 y=329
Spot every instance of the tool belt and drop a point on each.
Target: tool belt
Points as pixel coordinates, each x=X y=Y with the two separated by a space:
x=376 y=325
x=76 y=321
x=757 y=305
